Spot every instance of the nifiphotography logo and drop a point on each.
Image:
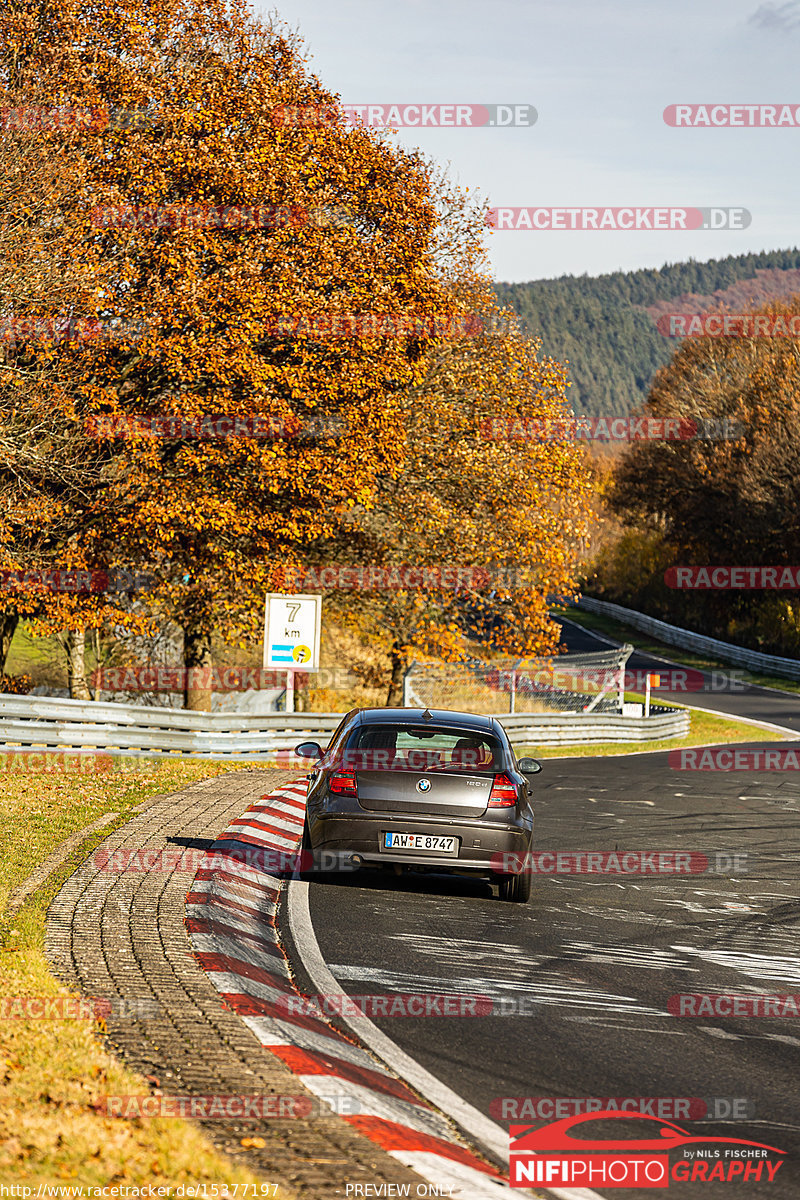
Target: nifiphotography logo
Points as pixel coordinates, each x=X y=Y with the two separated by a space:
x=561 y=1154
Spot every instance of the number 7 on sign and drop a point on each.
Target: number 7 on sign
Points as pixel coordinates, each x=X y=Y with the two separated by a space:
x=292 y=634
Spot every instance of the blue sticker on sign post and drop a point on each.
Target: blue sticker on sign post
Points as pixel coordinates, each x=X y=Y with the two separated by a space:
x=282 y=652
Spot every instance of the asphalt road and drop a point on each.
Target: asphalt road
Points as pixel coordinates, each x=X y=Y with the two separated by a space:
x=581 y=977
x=722 y=690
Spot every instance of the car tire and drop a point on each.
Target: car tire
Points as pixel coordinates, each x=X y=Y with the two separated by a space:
x=516 y=888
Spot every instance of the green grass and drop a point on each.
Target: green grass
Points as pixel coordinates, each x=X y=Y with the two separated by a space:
x=686 y=658
x=705 y=729
x=41 y=658
x=51 y=1125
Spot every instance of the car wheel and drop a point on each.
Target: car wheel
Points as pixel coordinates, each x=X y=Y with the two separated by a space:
x=516 y=888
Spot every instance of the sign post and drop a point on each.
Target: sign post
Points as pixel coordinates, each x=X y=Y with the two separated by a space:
x=292 y=627
x=652 y=681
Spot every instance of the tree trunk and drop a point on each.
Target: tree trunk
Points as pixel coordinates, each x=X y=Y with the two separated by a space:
x=76 y=665
x=8 y=626
x=197 y=661
x=399 y=667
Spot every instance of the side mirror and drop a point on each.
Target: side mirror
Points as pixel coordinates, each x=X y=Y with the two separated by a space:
x=308 y=750
x=529 y=766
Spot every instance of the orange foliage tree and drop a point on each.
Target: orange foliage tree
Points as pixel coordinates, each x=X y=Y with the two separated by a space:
x=315 y=220
x=50 y=475
x=475 y=492
x=729 y=498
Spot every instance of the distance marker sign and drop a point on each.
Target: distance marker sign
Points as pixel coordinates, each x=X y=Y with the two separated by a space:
x=292 y=632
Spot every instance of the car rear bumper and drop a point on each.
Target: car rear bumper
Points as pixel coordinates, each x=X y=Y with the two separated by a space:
x=347 y=834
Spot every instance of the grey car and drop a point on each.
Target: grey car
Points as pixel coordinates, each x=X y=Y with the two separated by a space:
x=430 y=790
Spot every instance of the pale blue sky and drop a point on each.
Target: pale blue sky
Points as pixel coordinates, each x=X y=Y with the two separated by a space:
x=599 y=73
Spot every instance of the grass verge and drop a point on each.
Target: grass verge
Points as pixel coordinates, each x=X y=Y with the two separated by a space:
x=704 y=730
x=686 y=658
x=54 y=1072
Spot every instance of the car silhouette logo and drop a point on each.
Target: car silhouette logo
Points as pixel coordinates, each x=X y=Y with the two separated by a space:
x=423 y=785
x=558 y=1136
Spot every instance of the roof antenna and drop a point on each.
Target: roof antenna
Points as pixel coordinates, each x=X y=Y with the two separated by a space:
x=427 y=715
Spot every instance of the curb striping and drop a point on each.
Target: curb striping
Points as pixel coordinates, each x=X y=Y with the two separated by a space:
x=122 y=933
x=254 y=983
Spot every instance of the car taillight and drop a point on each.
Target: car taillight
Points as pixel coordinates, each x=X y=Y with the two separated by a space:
x=503 y=793
x=343 y=782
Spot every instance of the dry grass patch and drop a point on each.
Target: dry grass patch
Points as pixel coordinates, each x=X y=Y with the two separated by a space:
x=55 y=1072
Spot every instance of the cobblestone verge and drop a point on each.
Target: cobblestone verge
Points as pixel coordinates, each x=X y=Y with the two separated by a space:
x=122 y=936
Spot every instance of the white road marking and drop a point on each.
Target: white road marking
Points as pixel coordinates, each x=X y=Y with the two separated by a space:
x=489 y=1135
x=757 y=966
x=554 y=988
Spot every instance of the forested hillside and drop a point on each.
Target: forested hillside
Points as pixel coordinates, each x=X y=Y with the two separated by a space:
x=605 y=325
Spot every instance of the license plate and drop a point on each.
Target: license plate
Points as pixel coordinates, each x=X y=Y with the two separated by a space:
x=420 y=841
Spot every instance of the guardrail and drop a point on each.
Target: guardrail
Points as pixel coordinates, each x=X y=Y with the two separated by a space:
x=673 y=635
x=49 y=723
x=46 y=722
x=590 y=729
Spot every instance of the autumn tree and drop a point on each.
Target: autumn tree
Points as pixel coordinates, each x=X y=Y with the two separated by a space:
x=729 y=495
x=476 y=491
x=50 y=474
x=344 y=223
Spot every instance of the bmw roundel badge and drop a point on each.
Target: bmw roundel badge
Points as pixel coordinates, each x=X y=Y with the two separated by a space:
x=423 y=785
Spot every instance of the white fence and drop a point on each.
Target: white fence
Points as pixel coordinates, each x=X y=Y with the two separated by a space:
x=673 y=635
x=571 y=684
x=40 y=723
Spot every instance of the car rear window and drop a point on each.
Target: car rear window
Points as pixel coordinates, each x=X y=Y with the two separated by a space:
x=403 y=747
